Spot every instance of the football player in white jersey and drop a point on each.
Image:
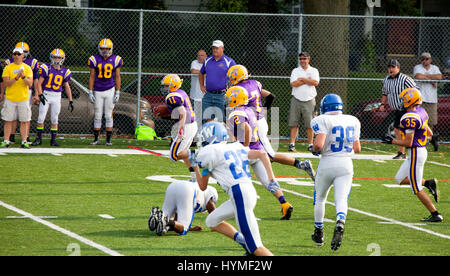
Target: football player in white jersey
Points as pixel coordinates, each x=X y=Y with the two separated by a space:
x=337 y=139
x=229 y=165
x=182 y=200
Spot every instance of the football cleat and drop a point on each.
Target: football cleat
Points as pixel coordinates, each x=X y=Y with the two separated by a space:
x=53 y=143
x=433 y=187
x=37 y=142
x=317 y=236
x=309 y=170
x=433 y=218
x=153 y=220
x=25 y=145
x=95 y=142
x=286 y=211
x=108 y=143
x=292 y=148
x=337 y=236
x=161 y=227
x=4 y=144
x=399 y=155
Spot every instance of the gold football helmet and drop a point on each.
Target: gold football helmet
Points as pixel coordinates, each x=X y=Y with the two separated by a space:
x=57 y=53
x=25 y=47
x=105 y=47
x=236 y=96
x=236 y=74
x=171 y=82
x=411 y=97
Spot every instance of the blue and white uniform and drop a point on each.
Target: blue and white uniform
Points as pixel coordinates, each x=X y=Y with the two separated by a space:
x=184 y=199
x=335 y=167
x=229 y=165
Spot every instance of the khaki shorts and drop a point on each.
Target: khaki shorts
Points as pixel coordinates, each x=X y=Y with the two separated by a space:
x=431 y=109
x=23 y=111
x=301 y=112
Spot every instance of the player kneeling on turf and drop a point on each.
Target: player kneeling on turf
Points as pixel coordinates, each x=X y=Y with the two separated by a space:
x=182 y=200
x=229 y=165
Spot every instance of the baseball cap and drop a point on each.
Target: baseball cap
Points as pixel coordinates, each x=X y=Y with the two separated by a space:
x=393 y=62
x=20 y=50
x=217 y=43
x=425 y=55
x=306 y=54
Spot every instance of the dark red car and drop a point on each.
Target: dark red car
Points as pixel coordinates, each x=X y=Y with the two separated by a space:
x=375 y=124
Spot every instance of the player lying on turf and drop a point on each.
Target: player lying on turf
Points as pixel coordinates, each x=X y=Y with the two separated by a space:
x=182 y=200
x=181 y=110
x=229 y=165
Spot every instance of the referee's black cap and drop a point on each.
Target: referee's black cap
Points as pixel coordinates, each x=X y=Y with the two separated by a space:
x=394 y=63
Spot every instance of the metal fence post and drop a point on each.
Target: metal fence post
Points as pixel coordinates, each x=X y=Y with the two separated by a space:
x=139 y=73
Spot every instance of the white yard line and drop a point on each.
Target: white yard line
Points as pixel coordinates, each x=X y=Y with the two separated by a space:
x=62 y=230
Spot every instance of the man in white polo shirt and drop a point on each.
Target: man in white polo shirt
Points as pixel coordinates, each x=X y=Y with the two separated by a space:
x=427 y=71
x=304 y=80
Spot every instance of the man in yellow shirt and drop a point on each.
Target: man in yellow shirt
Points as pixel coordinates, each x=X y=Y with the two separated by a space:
x=17 y=79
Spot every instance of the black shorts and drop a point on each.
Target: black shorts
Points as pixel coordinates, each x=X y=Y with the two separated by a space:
x=397 y=116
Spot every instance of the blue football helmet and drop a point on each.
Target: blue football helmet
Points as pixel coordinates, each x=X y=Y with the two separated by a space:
x=212 y=133
x=331 y=102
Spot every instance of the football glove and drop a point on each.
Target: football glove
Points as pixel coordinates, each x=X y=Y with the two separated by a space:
x=42 y=99
x=316 y=153
x=71 y=107
x=387 y=139
x=116 y=96
x=191 y=156
x=91 y=96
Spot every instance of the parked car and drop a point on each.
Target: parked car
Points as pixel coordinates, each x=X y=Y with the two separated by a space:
x=375 y=124
x=80 y=121
x=151 y=91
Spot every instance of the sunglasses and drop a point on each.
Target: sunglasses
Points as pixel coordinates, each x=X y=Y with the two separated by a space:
x=17 y=54
x=303 y=58
x=425 y=58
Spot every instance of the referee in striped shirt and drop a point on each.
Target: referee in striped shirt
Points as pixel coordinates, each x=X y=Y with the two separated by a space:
x=394 y=83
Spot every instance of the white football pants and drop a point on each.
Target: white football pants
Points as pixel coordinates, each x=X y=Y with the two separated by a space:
x=179 y=200
x=412 y=168
x=336 y=171
x=104 y=104
x=54 y=103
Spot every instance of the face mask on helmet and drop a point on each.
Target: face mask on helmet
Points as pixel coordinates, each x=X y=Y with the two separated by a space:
x=236 y=96
x=411 y=97
x=171 y=83
x=57 y=57
x=105 y=47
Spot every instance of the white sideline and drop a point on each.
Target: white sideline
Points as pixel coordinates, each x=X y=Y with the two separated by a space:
x=62 y=230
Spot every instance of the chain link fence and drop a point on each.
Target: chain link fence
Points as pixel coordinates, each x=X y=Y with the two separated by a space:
x=350 y=52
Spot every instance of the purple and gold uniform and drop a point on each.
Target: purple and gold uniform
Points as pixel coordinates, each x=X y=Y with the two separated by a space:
x=54 y=78
x=244 y=114
x=417 y=121
x=180 y=98
x=253 y=89
x=105 y=71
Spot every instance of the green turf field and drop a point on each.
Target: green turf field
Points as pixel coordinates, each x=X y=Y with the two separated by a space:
x=63 y=196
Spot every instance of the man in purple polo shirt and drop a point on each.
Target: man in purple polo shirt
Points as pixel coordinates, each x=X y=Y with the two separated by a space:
x=214 y=70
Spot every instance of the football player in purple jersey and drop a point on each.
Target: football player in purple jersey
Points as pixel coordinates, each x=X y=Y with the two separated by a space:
x=185 y=128
x=415 y=130
x=104 y=87
x=34 y=64
x=238 y=75
x=52 y=78
x=242 y=126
